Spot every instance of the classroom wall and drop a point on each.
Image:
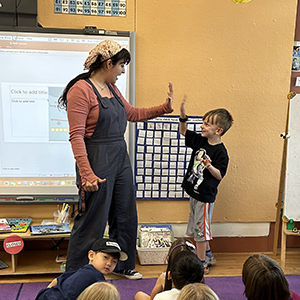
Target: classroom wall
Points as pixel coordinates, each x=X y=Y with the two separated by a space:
x=47 y=18
x=220 y=54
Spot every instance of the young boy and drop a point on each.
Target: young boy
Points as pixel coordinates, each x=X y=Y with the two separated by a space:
x=103 y=257
x=208 y=165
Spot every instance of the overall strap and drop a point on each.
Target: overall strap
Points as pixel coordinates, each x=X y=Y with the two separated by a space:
x=115 y=94
x=97 y=93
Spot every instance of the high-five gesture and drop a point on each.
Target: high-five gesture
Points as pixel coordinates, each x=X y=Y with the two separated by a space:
x=170 y=95
x=183 y=117
x=182 y=108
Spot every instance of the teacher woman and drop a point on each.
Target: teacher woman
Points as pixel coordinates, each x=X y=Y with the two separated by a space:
x=98 y=114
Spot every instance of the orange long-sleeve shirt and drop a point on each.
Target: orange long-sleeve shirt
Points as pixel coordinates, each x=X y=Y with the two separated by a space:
x=83 y=112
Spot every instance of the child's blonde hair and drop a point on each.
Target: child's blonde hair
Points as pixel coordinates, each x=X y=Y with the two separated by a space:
x=100 y=291
x=197 y=291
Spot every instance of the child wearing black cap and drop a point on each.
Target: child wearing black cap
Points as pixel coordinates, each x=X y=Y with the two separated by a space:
x=103 y=258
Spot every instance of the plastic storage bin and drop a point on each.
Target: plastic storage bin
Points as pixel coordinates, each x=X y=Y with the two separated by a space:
x=154 y=244
x=152 y=256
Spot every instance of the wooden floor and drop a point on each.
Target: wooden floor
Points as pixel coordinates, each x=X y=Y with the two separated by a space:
x=228 y=264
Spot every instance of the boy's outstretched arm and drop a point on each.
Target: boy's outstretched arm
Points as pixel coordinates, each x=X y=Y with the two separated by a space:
x=182 y=125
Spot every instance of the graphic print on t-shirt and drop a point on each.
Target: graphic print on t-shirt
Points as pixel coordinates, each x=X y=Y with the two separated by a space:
x=196 y=174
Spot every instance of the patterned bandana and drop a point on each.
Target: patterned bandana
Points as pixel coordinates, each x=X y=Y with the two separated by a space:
x=107 y=49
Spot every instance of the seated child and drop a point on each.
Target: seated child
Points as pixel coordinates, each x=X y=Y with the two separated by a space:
x=103 y=257
x=197 y=291
x=177 y=246
x=186 y=268
x=264 y=280
x=100 y=291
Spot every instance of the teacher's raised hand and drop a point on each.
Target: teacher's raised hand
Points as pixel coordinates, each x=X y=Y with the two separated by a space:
x=170 y=95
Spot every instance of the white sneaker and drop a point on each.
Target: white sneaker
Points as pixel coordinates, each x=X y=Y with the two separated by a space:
x=129 y=274
x=206 y=269
x=210 y=261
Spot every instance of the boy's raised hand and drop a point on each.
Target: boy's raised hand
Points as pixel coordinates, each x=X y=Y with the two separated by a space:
x=182 y=123
x=182 y=108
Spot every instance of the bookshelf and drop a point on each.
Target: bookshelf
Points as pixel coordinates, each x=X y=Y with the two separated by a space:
x=33 y=261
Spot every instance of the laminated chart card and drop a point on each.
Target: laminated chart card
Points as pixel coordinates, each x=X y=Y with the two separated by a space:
x=162 y=158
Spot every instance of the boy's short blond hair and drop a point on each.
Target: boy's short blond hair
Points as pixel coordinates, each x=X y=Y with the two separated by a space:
x=220 y=117
x=197 y=291
x=100 y=291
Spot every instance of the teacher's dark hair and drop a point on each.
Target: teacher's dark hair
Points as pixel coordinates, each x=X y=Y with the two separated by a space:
x=122 y=55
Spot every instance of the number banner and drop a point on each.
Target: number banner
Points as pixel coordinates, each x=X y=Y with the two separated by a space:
x=108 y=8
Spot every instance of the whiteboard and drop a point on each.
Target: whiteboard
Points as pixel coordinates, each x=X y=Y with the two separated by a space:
x=36 y=156
x=292 y=182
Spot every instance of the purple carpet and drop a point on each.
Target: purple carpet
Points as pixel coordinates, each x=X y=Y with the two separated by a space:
x=227 y=288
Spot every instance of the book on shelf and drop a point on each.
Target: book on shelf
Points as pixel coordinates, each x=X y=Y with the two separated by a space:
x=3 y=265
x=48 y=222
x=50 y=229
x=61 y=258
x=19 y=224
x=4 y=226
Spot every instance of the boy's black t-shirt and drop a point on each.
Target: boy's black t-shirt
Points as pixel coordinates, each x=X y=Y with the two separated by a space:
x=198 y=182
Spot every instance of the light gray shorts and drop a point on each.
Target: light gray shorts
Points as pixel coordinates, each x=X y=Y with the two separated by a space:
x=199 y=221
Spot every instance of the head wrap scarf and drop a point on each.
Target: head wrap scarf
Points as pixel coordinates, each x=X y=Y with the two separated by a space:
x=107 y=49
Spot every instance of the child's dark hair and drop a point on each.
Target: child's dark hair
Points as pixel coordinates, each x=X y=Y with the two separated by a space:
x=113 y=255
x=121 y=55
x=220 y=117
x=264 y=279
x=186 y=268
x=177 y=246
